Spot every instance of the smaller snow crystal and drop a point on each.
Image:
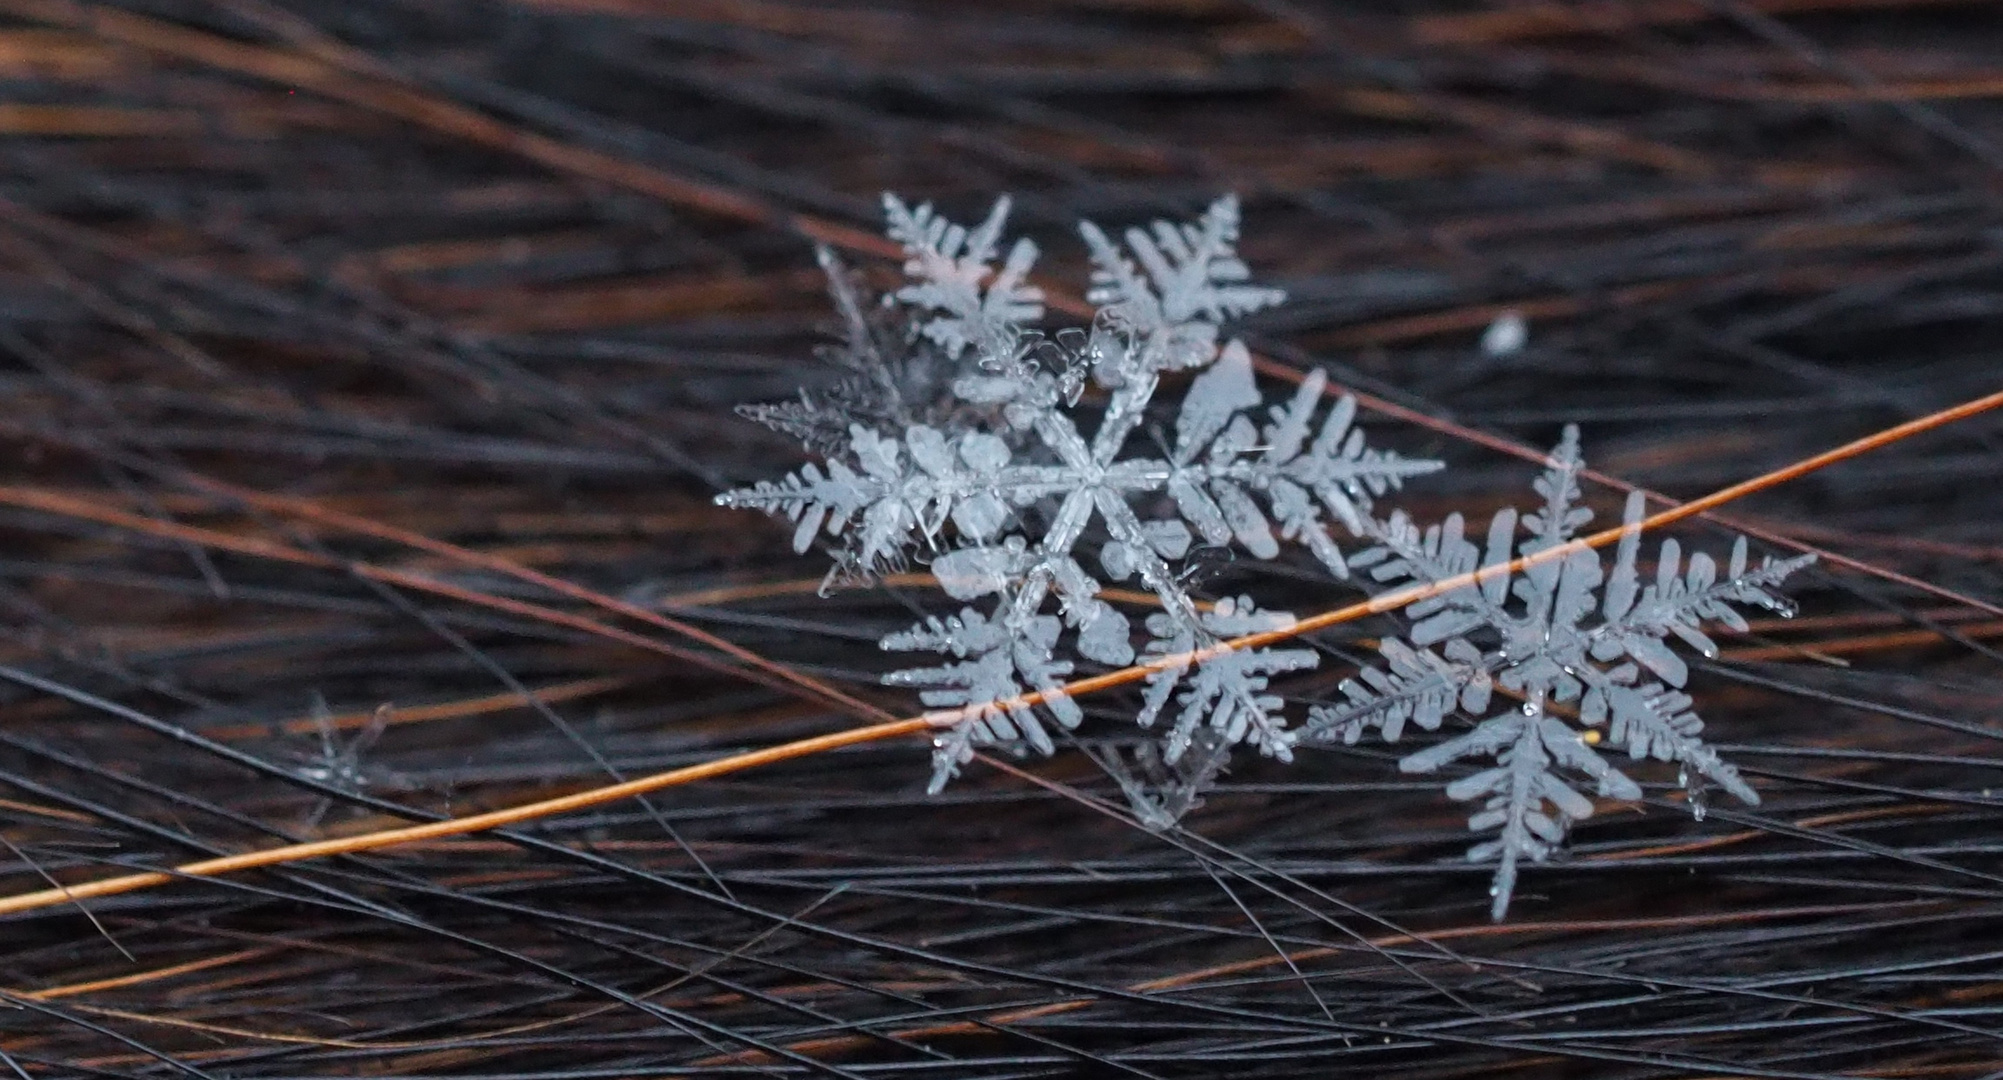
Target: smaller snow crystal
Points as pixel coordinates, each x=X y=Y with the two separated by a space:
x=1566 y=631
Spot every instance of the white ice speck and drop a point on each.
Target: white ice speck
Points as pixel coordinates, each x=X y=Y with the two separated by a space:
x=1506 y=336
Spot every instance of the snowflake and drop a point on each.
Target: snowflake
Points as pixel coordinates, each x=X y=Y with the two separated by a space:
x=997 y=486
x=1549 y=650
x=339 y=764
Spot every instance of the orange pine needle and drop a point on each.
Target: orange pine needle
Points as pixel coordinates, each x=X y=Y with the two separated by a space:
x=599 y=796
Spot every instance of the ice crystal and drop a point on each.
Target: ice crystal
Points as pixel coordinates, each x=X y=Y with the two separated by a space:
x=1161 y=792
x=997 y=485
x=1589 y=642
x=890 y=379
x=338 y=764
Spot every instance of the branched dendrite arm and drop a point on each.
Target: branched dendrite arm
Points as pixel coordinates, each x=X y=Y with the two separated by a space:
x=1528 y=747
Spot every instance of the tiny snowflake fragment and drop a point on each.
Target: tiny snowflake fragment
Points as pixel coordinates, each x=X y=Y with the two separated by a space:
x=999 y=487
x=338 y=764
x=1576 y=636
x=1161 y=792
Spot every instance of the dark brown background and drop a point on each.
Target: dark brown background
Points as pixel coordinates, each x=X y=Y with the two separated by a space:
x=495 y=273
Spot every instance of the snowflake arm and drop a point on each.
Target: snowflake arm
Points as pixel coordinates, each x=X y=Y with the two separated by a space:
x=970 y=303
x=1528 y=746
x=1226 y=691
x=1405 y=553
x=1221 y=457
x=1637 y=620
x=872 y=391
x=1653 y=721
x=1165 y=313
x=895 y=494
x=1416 y=685
x=1652 y=718
x=1003 y=661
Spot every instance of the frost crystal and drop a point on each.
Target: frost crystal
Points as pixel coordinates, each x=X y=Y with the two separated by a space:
x=1159 y=791
x=340 y=764
x=996 y=483
x=891 y=379
x=1576 y=637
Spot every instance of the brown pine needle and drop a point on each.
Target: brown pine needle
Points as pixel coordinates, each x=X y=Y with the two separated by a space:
x=342 y=73
x=756 y=668
x=311 y=511
x=420 y=714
